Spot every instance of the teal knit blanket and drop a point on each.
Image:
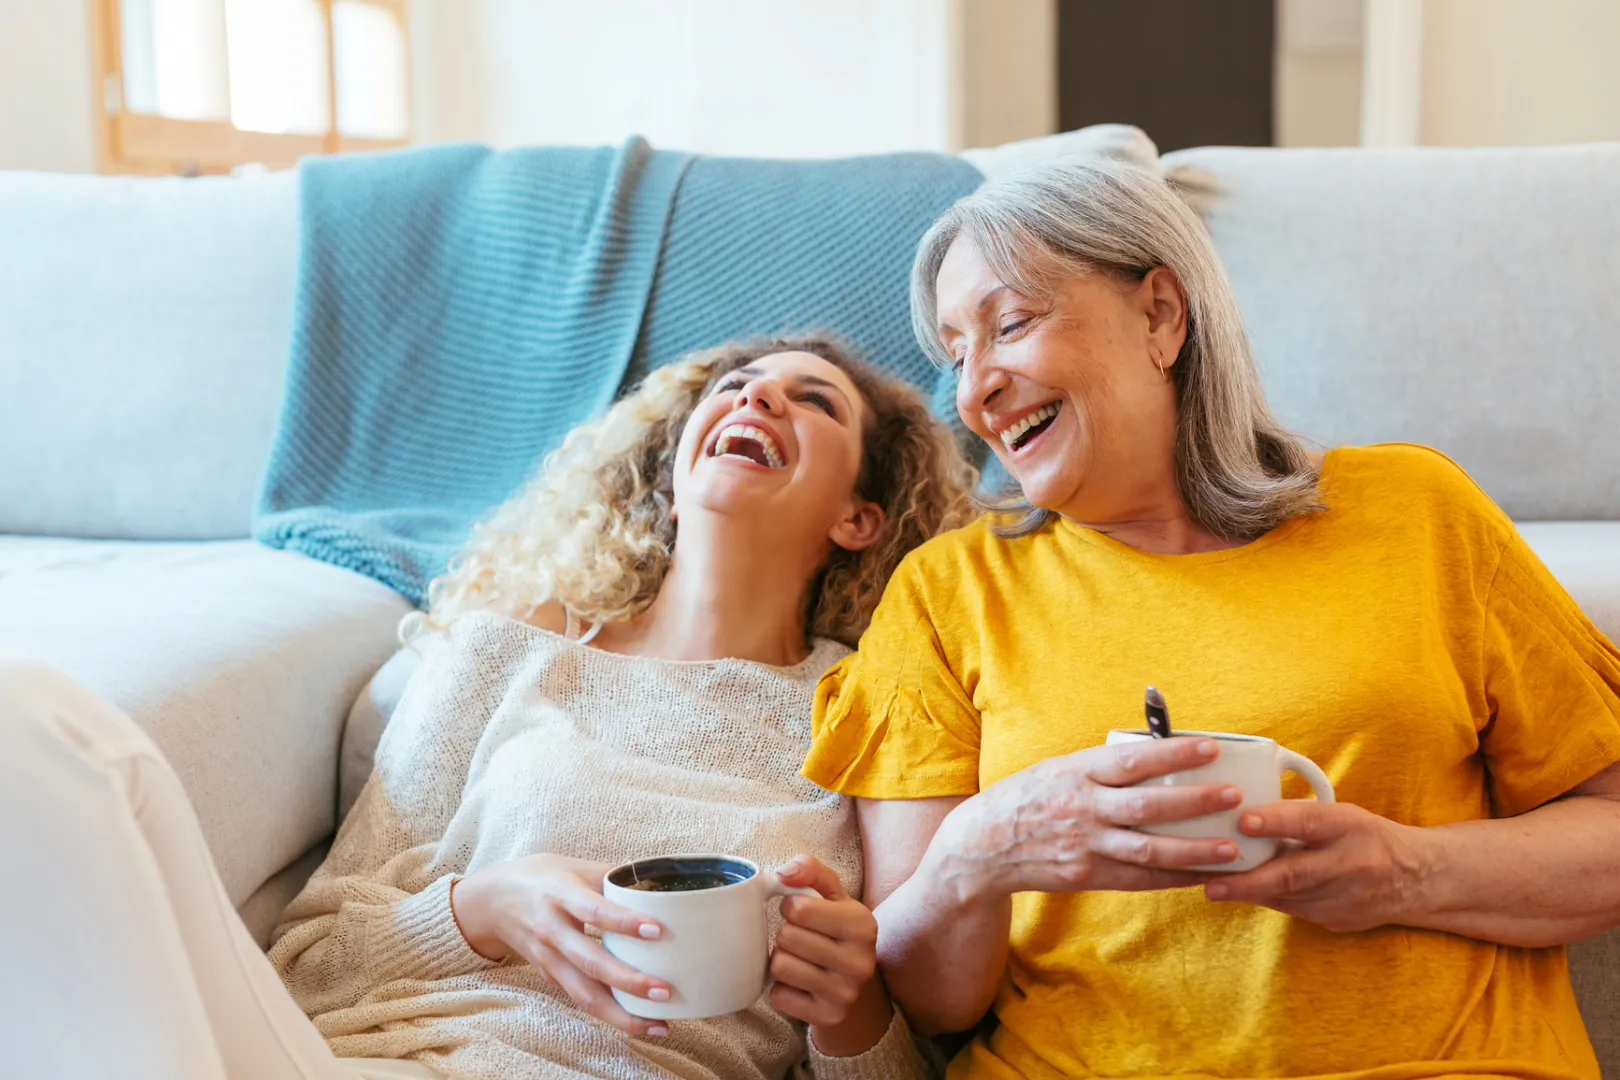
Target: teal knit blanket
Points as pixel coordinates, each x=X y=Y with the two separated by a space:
x=459 y=310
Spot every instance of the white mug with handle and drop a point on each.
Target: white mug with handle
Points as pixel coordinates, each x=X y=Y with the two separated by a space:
x=714 y=952
x=1250 y=762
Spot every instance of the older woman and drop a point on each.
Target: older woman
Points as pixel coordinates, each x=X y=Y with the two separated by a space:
x=1370 y=608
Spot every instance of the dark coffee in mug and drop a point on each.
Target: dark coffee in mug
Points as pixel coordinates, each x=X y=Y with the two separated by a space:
x=680 y=875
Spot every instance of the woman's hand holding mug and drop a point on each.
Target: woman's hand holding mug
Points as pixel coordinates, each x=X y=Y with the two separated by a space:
x=538 y=907
x=826 y=951
x=1069 y=824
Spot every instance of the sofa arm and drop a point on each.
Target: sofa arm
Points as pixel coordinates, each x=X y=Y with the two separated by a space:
x=240 y=662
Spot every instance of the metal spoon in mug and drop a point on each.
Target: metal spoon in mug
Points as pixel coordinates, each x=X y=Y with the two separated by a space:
x=1158 y=714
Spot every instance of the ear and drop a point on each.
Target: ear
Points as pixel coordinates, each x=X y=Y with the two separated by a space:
x=860 y=528
x=1164 y=306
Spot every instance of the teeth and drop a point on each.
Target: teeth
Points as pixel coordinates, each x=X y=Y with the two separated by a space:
x=722 y=445
x=1044 y=413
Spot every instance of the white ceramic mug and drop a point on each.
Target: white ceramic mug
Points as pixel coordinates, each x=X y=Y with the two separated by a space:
x=714 y=952
x=1249 y=762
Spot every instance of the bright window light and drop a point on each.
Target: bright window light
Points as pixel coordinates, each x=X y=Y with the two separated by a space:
x=369 y=53
x=174 y=58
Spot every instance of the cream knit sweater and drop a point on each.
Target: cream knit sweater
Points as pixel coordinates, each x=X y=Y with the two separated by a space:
x=509 y=741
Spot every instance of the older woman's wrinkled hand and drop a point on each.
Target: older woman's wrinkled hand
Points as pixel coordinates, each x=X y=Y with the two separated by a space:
x=1068 y=824
x=1349 y=869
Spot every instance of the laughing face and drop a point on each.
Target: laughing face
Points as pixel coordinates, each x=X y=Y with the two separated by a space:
x=779 y=442
x=1067 y=390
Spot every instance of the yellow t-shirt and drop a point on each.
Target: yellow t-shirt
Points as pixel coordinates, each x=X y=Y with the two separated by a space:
x=1406 y=639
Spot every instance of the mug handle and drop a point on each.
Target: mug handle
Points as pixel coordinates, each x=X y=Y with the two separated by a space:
x=774 y=887
x=1288 y=761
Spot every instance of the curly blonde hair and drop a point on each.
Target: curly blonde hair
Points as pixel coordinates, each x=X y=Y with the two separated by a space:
x=592 y=531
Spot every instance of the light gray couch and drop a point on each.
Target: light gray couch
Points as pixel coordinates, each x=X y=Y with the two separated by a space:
x=1463 y=299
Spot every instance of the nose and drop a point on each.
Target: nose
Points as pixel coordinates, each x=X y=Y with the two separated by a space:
x=978 y=386
x=765 y=394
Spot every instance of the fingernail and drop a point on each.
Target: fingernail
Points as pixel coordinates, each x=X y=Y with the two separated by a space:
x=658 y=993
x=1208 y=748
x=1217 y=891
x=651 y=930
x=1251 y=822
x=1232 y=796
x=1226 y=851
x=789 y=867
x=658 y=1031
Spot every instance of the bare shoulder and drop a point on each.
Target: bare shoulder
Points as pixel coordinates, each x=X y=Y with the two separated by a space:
x=550 y=617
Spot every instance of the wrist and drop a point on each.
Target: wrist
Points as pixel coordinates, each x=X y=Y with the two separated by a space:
x=868 y=1021
x=469 y=907
x=1426 y=877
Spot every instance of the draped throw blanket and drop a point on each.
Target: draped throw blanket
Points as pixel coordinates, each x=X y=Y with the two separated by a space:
x=459 y=310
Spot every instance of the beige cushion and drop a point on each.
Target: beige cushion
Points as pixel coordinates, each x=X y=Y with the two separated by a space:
x=239 y=661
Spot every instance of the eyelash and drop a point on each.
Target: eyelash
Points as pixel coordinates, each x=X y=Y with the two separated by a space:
x=1002 y=332
x=821 y=401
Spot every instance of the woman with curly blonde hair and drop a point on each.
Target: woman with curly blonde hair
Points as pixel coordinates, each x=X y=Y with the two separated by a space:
x=721 y=537
x=594 y=534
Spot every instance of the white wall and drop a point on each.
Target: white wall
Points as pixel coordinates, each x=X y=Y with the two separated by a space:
x=46 y=70
x=1513 y=72
x=784 y=78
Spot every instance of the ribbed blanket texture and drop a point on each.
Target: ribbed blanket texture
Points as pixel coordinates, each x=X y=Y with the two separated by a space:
x=459 y=310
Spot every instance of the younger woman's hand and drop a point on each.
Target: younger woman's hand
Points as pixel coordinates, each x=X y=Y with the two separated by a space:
x=826 y=953
x=538 y=907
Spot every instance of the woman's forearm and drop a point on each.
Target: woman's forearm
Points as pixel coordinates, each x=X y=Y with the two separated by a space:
x=1548 y=877
x=942 y=943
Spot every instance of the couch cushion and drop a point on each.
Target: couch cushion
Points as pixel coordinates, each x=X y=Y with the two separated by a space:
x=1462 y=298
x=1585 y=558
x=239 y=661
x=144 y=327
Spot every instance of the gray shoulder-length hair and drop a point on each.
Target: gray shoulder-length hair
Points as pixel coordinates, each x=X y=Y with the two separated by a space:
x=1240 y=473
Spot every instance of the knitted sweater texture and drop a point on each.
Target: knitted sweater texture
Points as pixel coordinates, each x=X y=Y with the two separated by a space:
x=510 y=741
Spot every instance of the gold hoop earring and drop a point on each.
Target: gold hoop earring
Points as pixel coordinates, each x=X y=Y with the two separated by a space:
x=1158 y=363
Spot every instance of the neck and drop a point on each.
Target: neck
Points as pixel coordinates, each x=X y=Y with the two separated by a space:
x=1170 y=534
x=1145 y=512
x=726 y=596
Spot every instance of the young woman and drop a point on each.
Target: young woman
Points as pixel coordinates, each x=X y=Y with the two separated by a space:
x=720 y=538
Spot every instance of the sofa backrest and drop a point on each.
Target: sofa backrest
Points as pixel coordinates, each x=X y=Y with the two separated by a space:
x=144 y=333
x=1467 y=299
x=144 y=326
x=1463 y=298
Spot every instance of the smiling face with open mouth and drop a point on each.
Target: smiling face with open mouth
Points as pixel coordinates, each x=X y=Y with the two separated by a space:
x=777 y=441
x=1063 y=388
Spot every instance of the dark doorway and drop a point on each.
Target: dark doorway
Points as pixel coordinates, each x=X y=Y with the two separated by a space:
x=1188 y=72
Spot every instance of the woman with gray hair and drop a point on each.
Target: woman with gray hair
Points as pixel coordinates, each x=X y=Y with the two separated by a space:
x=1368 y=607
